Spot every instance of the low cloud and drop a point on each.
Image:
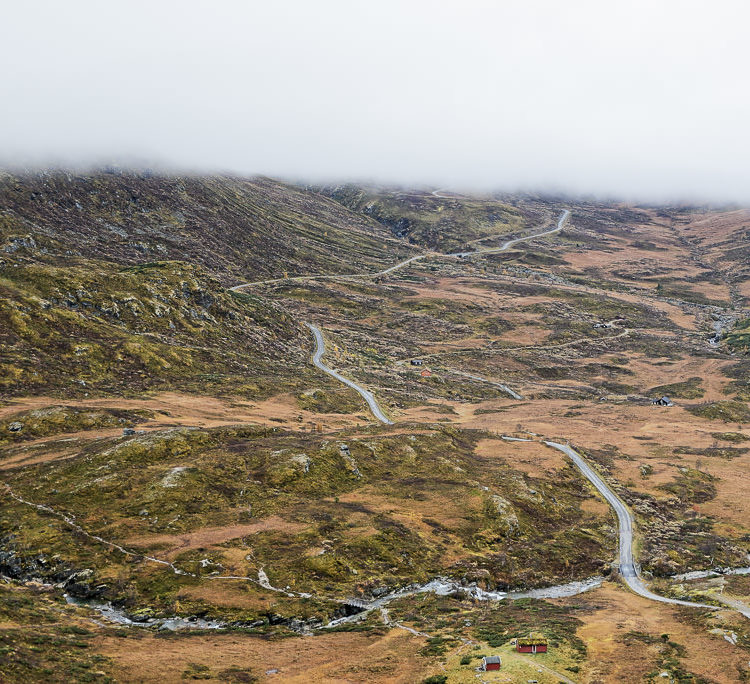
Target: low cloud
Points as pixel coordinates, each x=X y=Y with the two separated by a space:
x=637 y=99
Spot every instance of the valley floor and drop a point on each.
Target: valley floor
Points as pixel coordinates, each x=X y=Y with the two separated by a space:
x=273 y=509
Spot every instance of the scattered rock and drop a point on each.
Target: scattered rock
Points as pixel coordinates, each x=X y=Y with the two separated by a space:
x=172 y=477
x=16 y=243
x=507 y=516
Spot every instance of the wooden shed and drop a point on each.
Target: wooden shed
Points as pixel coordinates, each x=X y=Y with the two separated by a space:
x=533 y=643
x=491 y=662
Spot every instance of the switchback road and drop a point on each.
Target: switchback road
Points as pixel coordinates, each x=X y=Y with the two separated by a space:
x=509 y=243
x=320 y=349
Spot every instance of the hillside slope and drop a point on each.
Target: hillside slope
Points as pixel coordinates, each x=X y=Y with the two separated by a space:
x=95 y=327
x=238 y=229
x=442 y=222
x=115 y=282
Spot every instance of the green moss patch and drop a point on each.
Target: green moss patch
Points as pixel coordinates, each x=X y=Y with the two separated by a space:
x=729 y=411
x=687 y=389
x=53 y=420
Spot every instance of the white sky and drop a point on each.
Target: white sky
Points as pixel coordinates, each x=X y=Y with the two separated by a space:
x=637 y=98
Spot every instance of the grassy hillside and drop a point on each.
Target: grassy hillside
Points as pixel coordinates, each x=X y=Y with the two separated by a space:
x=236 y=228
x=166 y=444
x=114 y=282
x=95 y=327
x=441 y=223
x=392 y=510
x=738 y=338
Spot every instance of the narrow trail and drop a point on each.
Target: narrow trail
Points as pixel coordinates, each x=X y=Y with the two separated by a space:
x=339 y=276
x=479 y=378
x=535 y=664
x=261 y=580
x=530 y=347
x=455 y=195
x=68 y=520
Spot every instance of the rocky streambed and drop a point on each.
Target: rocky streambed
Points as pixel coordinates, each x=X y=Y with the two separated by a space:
x=351 y=610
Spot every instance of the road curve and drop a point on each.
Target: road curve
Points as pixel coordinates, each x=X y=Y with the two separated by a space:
x=406 y=262
x=509 y=243
x=320 y=349
x=628 y=568
x=335 y=276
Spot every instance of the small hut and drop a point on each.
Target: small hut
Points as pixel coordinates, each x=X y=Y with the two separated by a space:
x=533 y=643
x=491 y=663
x=663 y=401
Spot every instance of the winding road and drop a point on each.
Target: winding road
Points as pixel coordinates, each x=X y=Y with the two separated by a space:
x=401 y=264
x=320 y=349
x=627 y=565
x=479 y=378
x=509 y=243
x=628 y=569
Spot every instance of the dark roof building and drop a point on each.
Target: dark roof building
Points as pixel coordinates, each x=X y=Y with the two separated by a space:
x=491 y=662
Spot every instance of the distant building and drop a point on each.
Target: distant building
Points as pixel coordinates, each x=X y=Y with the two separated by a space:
x=416 y=362
x=491 y=663
x=533 y=643
x=426 y=373
x=664 y=401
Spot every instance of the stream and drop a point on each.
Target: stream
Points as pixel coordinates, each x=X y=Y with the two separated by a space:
x=704 y=574
x=119 y=616
x=442 y=586
x=439 y=586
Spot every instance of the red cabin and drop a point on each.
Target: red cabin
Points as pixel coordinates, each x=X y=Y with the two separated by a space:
x=491 y=663
x=534 y=643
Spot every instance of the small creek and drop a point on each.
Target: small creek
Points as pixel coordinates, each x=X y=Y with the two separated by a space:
x=704 y=574
x=440 y=587
x=120 y=617
x=443 y=587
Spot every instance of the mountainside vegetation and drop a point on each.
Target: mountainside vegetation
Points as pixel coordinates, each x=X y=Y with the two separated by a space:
x=172 y=462
x=237 y=229
x=95 y=327
x=445 y=223
x=114 y=282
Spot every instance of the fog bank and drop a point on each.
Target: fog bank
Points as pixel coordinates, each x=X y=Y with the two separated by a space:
x=638 y=99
